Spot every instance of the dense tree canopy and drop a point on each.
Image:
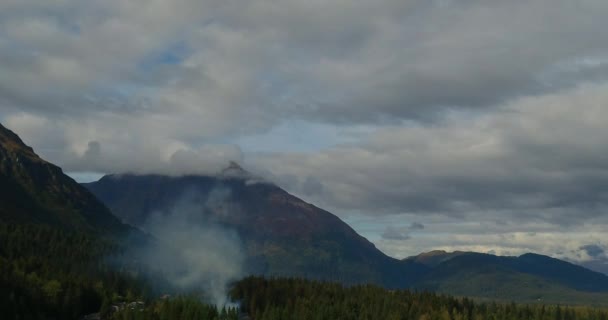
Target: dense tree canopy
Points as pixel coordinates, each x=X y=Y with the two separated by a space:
x=47 y=272
x=302 y=299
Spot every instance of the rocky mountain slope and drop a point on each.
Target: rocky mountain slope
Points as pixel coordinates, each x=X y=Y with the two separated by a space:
x=35 y=191
x=281 y=234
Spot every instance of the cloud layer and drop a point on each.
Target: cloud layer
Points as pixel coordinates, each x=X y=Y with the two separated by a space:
x=538 y=156
x=485 y=111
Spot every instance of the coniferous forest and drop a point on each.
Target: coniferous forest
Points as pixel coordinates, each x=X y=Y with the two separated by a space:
x=63 y=255
x=276 y=299
x=50 y=273
x=303 y=160
x=46 y=273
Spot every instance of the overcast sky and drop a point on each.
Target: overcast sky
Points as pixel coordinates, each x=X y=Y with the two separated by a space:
x=426 y=124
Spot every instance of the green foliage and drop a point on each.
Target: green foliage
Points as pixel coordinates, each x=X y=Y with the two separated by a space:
x=183 y=308
x=49 y=273
x=302 y=299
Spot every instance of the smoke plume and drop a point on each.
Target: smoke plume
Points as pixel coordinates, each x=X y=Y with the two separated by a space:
x=193 y=252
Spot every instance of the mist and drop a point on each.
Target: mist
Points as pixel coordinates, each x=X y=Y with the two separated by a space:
x=193 y=252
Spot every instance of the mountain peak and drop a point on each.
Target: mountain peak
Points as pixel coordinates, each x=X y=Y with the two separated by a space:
x=435 y=257
x=35 y=191
x=12 y=144
x=281 y=234
x=233 y=165
x=234 y=170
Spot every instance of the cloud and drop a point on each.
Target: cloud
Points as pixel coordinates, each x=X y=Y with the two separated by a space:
x=401 y=233
x=416 y=226
x=109 y=147
x=593 y=250
x=487 y=111
x=93 y=150
x=195 y=73
x=538 y=159
x=248 y=66
x=312 y=186
x=451 y=234
x=392 y=233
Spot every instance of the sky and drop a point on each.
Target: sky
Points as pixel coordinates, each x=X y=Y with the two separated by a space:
x=425 y=124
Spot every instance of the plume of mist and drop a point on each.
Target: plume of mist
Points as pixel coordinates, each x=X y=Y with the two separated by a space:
x=193 y=252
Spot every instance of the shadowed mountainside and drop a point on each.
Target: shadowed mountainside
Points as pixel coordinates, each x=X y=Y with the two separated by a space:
x=529 y=277
x=282 y=234
x=36 y=191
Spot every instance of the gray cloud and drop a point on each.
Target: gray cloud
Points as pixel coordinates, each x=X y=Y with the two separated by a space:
x=593 y=250
x=93 y=150
x=191 y=73
x=491 y=111
x=538 y=158
x=416 y=226
x=312 y=186
x=401 y=233
x=246 y=65
x=513 y=239
x=392 y=233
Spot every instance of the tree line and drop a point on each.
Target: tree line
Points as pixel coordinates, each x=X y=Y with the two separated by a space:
x=50 y=273
x=299 y=299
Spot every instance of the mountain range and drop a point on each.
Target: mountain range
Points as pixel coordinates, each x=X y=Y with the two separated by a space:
x=526 y=278
x=285 y=236
x=281 y=234
x=56 y=241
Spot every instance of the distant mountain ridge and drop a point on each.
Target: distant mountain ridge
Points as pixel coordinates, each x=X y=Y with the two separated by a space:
x=33 y=190
x=286 y=236
x=435 y=257
x=558 y=271
x=529 y=277
x=283 y=235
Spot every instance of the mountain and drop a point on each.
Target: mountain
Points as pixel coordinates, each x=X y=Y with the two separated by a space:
x=285 y=236
x=282 y=235
x=50 y=231
x=434 y=258
x=598 y=265
x=60 y=247
x=529 y=277
x=35 y=191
